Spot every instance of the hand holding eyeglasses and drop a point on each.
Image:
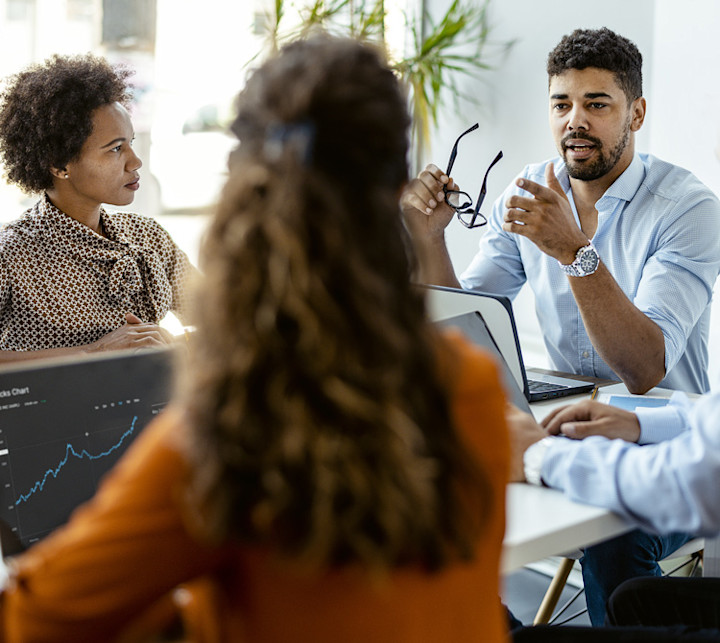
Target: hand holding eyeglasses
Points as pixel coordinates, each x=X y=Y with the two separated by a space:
x=436 y=196
x=423 y=204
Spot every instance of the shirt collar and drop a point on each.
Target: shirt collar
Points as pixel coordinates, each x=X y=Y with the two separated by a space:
x=624 y=187
x=62 y=223
x=51 y=213
x=562 y=175
x=628 y=183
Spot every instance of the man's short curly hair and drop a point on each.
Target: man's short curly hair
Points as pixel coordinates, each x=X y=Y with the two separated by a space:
x=601 y=48
x=46 y=114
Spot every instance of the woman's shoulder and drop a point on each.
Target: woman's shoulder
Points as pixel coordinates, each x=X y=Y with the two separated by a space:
x=470 y=367
x=479 y=403
x=16 y=234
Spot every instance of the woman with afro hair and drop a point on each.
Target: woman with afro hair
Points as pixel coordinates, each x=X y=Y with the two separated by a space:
x=73 y=276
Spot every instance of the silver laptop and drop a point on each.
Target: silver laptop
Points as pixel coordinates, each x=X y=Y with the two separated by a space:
x=497 y=313
x=473 y=326
x=63 y=424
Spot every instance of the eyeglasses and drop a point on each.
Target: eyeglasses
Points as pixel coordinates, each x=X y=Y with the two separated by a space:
x=461 y=201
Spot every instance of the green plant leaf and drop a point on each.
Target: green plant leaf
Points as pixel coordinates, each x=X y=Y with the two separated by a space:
x=442 y=50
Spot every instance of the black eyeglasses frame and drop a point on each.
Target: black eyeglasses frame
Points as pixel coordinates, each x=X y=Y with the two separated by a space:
x=466 y=214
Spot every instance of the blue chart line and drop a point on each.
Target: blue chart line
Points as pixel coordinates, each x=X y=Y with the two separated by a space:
x=70 y=451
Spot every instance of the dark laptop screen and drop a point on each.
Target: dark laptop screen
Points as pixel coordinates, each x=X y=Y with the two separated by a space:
x=63 y=424
x=474 y=327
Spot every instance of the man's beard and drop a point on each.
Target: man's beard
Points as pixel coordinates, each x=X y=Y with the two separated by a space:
x=601 y=165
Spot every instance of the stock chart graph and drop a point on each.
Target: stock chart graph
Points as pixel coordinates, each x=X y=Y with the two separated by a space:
x=64 y=427
x=72 y=452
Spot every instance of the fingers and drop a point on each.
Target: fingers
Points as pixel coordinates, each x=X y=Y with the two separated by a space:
x=535 y=189
x=570 y=413
x=148 y=341
x=605 y=426
x=522 y=210
x=425 y=192
x=515 y=215
x=150 y=334
x=549 y=192
x=134 y=336
x=518 y=202
x=164 y=335
x=435 y=171
x=592 y=418
x=572 y=421
x=552 y=181
x=419 y=197
x=539 y=192
x=167 y=336
x=581 y=430
x=547 y=421
x=516 y=226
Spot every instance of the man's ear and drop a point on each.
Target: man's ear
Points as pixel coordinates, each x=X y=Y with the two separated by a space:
x=637 y=111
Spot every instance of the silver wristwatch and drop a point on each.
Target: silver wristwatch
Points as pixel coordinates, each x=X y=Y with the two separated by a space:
x=533 y=459
x=586 y=262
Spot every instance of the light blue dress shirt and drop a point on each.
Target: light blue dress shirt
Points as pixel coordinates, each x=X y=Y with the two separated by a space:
x=666 y=487
x=658 y=234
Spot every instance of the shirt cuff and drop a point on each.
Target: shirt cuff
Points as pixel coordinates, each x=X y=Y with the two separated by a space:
x=658 y=424
x=533 y=459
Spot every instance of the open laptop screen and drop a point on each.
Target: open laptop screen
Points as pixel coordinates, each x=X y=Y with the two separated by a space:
x=473 y=326
x=497 y=313
x=63 y=424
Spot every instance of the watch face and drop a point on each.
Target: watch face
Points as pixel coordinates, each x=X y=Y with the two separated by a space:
x=589 y=261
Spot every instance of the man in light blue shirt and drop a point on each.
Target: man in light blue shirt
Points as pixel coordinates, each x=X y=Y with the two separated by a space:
x=657 y=235
x=621 y=251
x=658 y=467
x=641 y=312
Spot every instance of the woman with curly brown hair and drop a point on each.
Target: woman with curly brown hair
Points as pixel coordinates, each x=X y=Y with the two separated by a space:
x=333 y=467
x=73 y=276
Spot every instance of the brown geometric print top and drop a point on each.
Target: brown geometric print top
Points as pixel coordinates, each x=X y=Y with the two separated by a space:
x=62 y=284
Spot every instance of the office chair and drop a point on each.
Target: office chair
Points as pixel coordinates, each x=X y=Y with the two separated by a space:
x=544 y=615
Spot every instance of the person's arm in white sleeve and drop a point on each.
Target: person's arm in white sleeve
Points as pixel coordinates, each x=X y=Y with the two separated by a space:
x=658 y=424
x=671 y=486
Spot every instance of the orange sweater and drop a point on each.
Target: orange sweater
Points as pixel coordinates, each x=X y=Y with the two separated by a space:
x=127 y=549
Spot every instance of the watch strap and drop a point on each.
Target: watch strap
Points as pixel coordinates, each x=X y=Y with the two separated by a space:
x=533 y=459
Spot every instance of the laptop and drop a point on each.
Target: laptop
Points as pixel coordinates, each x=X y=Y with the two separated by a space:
x=63 y=424
x=497 y=313
x=473 y=326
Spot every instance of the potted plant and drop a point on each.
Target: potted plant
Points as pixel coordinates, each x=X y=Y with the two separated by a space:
x=437 y=52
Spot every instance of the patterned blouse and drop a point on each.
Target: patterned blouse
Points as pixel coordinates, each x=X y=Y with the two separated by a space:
x=62 y=284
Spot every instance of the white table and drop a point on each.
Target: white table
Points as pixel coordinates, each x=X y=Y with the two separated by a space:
x=543 y=522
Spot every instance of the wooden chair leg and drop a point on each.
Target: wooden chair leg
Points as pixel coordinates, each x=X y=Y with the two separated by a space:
x=552 y=596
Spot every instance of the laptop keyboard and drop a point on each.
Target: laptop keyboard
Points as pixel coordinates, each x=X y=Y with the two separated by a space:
x=539 y=387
